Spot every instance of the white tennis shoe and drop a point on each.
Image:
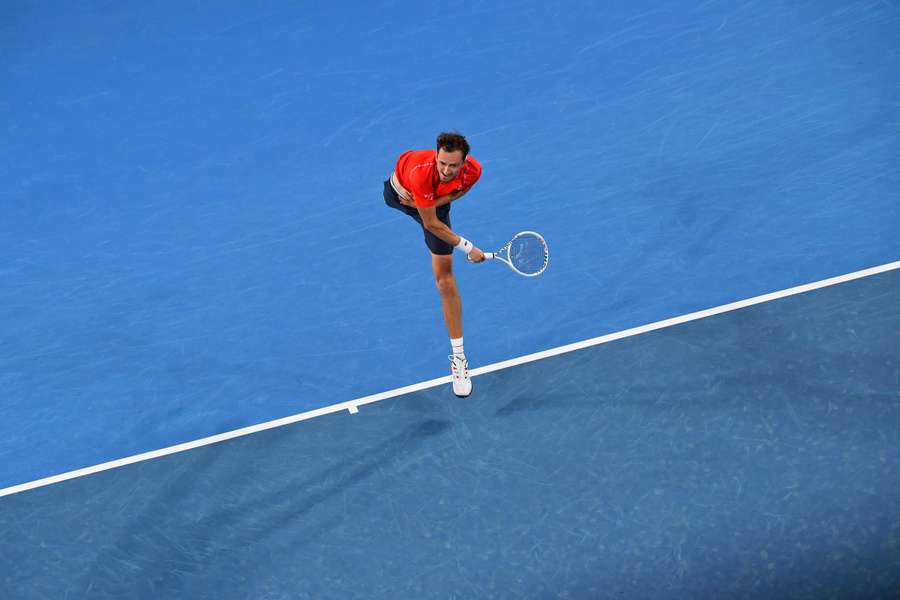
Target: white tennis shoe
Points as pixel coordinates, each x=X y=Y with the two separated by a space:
x=459 y=370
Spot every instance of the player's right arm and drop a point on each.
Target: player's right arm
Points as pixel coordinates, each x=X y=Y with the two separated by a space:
x=438 y=228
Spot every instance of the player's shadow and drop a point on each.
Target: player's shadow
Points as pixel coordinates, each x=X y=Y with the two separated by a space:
x=165 y=535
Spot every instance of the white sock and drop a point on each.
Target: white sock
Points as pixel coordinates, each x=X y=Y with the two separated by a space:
x=457 y=344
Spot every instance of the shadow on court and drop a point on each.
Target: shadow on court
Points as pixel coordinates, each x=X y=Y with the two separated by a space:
x=209 y=508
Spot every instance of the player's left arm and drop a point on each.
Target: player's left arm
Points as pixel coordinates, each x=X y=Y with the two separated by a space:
x=448 y=198
x=439 y=201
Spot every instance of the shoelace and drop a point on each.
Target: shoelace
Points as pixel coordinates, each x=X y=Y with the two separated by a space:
x=455 y=370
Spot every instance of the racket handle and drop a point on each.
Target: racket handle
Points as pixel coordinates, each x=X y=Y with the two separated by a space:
x=488 y=255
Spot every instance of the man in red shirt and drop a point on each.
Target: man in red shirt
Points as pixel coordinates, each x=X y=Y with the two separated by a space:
x=423 y=185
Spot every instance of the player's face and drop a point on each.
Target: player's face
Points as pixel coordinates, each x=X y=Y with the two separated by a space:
x=449 y=164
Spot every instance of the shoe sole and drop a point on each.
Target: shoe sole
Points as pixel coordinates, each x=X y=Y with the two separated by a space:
x=460 y=395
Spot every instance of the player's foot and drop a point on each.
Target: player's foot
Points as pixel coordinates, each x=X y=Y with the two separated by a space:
x=459 y=370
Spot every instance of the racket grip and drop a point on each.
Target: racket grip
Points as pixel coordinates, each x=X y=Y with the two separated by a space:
x=488 y=255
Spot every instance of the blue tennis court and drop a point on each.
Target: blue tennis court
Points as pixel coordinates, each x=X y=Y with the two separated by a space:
x=194 y=243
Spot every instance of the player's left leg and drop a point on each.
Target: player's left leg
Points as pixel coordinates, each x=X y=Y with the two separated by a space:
x=451 y=305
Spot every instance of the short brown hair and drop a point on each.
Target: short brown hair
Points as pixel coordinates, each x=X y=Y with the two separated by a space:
x=451 y=142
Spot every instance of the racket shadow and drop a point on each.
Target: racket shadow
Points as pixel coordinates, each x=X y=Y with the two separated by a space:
x=553 y=402
x=525 y=403
x=514 y=392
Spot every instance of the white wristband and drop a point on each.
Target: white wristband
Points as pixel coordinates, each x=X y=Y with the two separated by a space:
x=464 y=245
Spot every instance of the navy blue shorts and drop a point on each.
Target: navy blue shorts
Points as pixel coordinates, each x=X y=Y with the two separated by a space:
x=434 y=243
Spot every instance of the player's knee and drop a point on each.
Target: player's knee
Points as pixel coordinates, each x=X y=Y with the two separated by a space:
x=446 y=284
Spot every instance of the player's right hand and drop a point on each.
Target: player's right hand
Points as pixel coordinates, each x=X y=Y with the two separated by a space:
x=476 y=255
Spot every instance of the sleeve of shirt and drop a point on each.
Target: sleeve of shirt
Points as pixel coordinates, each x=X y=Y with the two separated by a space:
x=472 y=173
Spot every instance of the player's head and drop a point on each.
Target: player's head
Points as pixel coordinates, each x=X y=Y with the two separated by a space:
x=452 y=149
x=452 y=142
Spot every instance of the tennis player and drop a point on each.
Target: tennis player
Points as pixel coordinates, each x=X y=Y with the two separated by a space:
x=423 y=185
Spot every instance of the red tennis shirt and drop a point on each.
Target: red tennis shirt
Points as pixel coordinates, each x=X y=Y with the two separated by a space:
x=417 y=172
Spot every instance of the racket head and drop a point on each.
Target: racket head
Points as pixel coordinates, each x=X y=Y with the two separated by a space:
x=526 y=253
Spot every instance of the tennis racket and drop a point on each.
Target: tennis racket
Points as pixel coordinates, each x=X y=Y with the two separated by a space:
x=526 y=254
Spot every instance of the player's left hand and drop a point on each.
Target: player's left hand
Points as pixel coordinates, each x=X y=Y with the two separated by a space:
x=406 y=198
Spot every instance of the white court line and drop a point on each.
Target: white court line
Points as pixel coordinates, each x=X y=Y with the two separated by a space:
x=352 y=405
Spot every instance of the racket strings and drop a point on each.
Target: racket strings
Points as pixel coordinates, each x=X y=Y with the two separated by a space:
x=528 y=254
